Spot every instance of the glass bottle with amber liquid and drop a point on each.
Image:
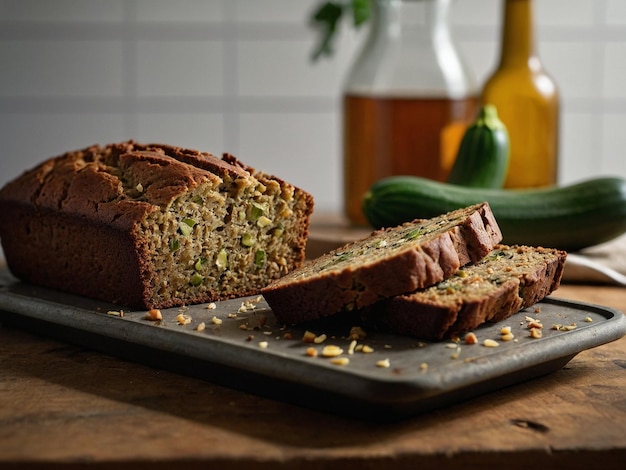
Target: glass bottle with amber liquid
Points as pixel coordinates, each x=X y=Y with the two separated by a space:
x=408 y=99
x=527 y=101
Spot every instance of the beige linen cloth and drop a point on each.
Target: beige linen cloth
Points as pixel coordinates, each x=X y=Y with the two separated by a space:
x=605 y=263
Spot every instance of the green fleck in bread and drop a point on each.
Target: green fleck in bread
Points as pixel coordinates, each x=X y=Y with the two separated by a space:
x=390 y=262
x=491 y=290
x=152 y=226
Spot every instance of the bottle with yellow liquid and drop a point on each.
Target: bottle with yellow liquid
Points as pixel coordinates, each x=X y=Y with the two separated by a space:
x=527 y=101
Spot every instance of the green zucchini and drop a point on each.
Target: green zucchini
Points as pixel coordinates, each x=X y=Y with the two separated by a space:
x=568 y=217
x=483 y=157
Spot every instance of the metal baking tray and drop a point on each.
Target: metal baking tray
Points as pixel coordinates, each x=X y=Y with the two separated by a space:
x=242 y=346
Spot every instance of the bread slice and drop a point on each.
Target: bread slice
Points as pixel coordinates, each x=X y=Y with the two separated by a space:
x=152 y=226
x=507 y=280
x=389 y=262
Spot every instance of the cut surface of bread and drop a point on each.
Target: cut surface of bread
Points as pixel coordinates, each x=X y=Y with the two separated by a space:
x=152 y=226
x=507 y=280
x=389 y=262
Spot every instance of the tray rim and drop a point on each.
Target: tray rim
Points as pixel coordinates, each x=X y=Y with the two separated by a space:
x=402 y=394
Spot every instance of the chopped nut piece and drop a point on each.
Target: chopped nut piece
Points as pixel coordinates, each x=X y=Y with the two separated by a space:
x=332 y=351
x=232 y=315
x=367 y=349
x=243 y=326
x=183 y=319
x=340 y=361
x=211 y=306
x=288 y=335
x=216 y=321
x=356 y=332
x=319 y=339
x=311 y=351
x=535 y=333
x=471 y=338
x=456 y=353
x=249 y=338
x=505 y=330
x=507 y=337
x=423 y=366
x=352 y=347
x=383 y=363
x=490 y=343
x=451 y=345
x=308 y=337
x=201 y=326
x=263 y=344
x=588 y=319
x=154 y=315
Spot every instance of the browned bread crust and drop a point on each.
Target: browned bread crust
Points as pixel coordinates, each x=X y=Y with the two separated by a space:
x=109 y=223
x=390 y=262
x=491 y=290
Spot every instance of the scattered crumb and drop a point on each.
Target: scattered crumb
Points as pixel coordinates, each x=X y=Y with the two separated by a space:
x=490 y=343
x=201 y=326
x=311 y=351
x=216 y=321
x=154 y=315
x=367 y=349
x=319 y=339
x=308 y=337
x=263 y=344
x=384 y=363
x=470 y=338
x=588 y=319
x=116 y=313
x=356 y=332
x=332 y=351
x=535 y=333
x=183 y=319
x=340 y=361
x=211 y=306
x=456 y=353
x=352 y=347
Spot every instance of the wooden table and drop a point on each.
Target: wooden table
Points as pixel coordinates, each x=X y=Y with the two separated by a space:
x=63 y=405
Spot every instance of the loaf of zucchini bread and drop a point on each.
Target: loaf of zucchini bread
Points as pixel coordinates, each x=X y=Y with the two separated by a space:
x=507 y=280
x=389 y=262
x=152 y=226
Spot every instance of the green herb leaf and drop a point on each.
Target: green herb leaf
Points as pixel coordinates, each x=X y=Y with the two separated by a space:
x=360 y=11
x=327 y=17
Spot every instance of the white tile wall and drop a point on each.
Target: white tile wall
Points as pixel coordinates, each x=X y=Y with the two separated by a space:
x=235 y=75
